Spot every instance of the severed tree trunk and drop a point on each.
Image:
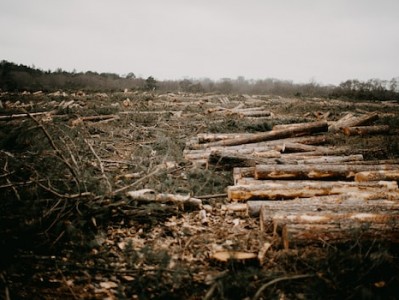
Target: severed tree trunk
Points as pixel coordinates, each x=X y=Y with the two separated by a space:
x=330 y=227
x=148 y=195
x=365 y=130
x=277 y=190
x=377 y=175
x=320 y=205
x=350 y=121
x=307 y=128
x=327 y=171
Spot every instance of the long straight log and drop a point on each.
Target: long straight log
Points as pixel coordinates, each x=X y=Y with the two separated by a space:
x=298 y=147
x=327 y=171
x=365 y=130
x=350 y=121
x=328 y=227
x=321 y=205
x=195 y=144
x=277 y=190
x=377 y=175
x=213 y=137
x=307 y=128
x=321 y=159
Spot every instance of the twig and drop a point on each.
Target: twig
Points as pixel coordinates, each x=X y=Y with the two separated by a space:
x=285 y=278
x=210 y=292
x=9 y=182
x=156 y=170
x=6 y=290
x=57 y=151
x=101 y=166
x=66 y=283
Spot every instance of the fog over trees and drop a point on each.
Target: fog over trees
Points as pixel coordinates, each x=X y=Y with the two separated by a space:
x=18 y=78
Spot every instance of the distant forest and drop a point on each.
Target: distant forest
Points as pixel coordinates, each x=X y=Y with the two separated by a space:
x=18 y=78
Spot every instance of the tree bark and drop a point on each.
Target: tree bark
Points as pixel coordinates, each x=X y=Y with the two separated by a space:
x=278 y=190
x=327 y=171
x=307 y=128
x=365 y=130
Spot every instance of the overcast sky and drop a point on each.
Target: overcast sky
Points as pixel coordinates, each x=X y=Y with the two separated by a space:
x=327 y=41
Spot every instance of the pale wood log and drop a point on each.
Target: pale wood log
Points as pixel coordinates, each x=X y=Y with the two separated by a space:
x=298 y=147
x=321 y=204
x=327 y=171
x=195 y=145
x=365 y=130
x=260 y=152
x=277 y=189
x=376 y=162
x=323 y=159
x=212 y=137
x=323 y=151
x=287 y=126
x=377 y=175
x=307 y=128
x=351 y=121
x=312 y=158
x=148 y=195
x=25 y=115
x=328 y=227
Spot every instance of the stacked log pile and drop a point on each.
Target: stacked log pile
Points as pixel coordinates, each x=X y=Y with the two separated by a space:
x=304 y=190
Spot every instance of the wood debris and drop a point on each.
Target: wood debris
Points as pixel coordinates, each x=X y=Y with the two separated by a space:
x=302 y=191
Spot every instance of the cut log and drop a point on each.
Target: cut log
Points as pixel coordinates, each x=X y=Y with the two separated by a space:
x=319 y=159
x=327 y=171
x=320 y=204
x=26 y=115
x=236 y=256
x=148 y=195
x=254 y=114
x=287 y=126
x=298 y=147
x=195 y=144
x=316 y=227
x=213 y=137
x=365 y=130
x=307 y=128
x=350 y=121
x=377 y=175
x=278 y=190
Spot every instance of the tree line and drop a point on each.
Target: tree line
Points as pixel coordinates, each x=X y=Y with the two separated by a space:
x=18 y=78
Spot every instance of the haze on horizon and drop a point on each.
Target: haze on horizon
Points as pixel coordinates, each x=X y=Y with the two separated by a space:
x=323 y=41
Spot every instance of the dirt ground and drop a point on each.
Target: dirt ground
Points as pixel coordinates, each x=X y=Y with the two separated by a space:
x=69 y=230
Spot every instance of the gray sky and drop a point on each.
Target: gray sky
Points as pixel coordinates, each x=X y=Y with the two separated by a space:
x=328 y=41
